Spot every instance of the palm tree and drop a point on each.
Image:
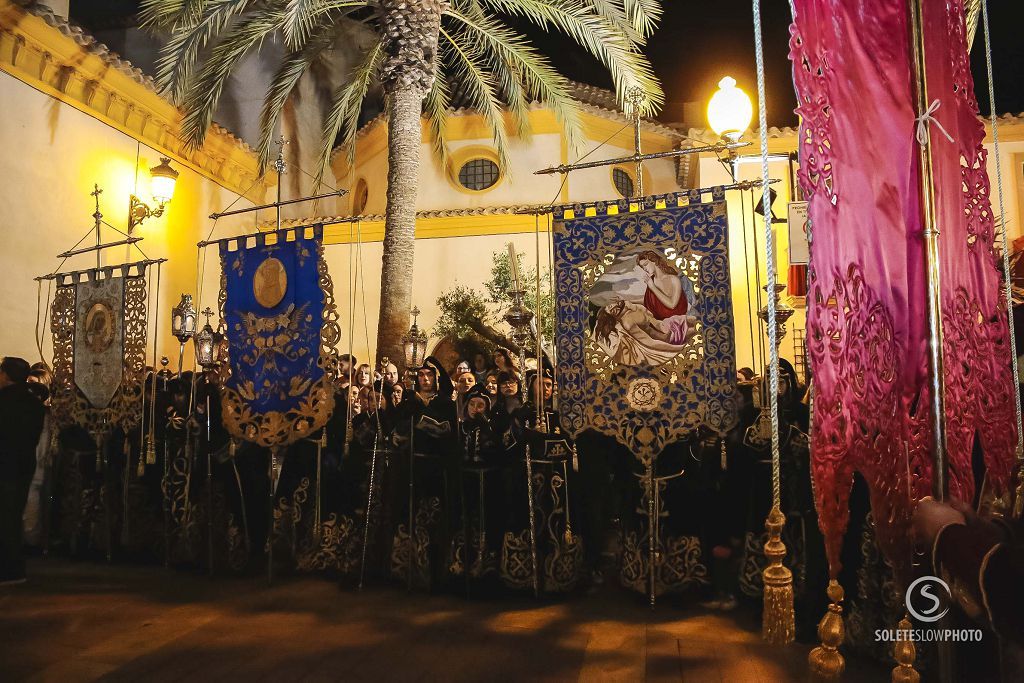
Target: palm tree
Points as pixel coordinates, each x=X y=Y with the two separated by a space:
x=425 y=51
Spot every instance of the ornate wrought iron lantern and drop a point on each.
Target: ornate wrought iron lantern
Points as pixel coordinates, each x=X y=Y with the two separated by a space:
x=183 y=324
x=415 y=342
x=163 y=180
x=209 y=346
x=783 y=312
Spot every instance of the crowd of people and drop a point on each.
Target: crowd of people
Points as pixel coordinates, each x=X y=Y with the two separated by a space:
x=418 y=476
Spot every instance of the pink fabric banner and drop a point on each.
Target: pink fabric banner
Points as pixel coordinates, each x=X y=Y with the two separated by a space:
x=866 y=305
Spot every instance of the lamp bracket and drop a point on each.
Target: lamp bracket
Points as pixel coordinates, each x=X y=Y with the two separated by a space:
x=139 y=211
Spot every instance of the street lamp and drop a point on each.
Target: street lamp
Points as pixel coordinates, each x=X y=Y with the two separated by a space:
x=729 y=111
x=163 y=179
x=183 y=325
x=415 y=342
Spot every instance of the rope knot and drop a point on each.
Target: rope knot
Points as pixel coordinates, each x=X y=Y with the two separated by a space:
x=929 y=117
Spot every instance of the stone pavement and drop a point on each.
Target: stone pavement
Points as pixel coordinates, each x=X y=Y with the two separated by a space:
x=77 y=621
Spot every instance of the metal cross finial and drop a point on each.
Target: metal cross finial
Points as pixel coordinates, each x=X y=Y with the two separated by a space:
x=415 y=312
x=207 y=312
x=96 y=193
x=279 y=164
x=636 y=97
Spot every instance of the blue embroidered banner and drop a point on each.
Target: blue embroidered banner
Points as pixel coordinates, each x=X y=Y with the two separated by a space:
x=646 y=349
x=282 y=330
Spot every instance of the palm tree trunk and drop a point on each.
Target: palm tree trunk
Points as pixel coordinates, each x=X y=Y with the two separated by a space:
x=404 y=139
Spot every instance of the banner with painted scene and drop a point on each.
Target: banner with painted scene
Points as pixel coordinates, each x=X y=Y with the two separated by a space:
x=98 y=321
x=281 y=324
x=645 y=328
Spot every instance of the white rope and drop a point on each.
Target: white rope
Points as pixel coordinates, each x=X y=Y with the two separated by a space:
x=929 y=117
x=1002 y=213
x=773 y=393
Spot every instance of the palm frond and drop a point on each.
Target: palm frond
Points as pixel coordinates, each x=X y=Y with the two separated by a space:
x=346 y=103
x=288 y=75
x=481 y=89
x=189 y=36
x=344 y=6
x=204 y=91
x=972 y=13
x=599 y=36
x=644 y=15
x=435 y=108
x=160 y=14
x=512 y=90
x=615 y=12
x=169 y=15
x=298 y=21
x=541 y=81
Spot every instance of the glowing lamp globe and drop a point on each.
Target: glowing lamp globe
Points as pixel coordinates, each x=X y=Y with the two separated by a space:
x=729 y=110
x=163 y=179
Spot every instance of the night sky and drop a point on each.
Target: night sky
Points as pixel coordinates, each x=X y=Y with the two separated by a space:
x=699 y=41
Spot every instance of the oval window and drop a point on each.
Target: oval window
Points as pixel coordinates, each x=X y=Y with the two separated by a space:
x=478 y=174
x=623 y=182
x=360 y=197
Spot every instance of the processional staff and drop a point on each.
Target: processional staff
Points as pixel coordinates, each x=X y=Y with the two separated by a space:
x=519 y=317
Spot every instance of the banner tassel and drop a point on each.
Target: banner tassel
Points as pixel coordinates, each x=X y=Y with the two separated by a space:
x=778 y=623
x=825 y=661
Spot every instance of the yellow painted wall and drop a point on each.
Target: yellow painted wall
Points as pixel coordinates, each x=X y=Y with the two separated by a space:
x=55 y=154
x=749 y=272
x=603 y=138
x=441 y=263
x=1011 y=153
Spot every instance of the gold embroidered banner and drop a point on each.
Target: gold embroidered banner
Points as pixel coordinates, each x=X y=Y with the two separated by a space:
x=282 y=330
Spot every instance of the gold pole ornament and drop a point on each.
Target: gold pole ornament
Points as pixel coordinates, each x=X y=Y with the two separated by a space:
x=825 y=661
x=905 y=654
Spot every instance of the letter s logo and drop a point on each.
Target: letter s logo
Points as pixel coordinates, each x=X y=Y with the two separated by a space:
x=925 y=586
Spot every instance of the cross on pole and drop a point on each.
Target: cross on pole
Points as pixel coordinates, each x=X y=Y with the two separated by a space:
x=636 y=99
x=96 y=192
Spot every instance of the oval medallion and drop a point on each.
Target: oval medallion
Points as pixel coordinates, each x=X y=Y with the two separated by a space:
x=643 y=394
x=270 y=283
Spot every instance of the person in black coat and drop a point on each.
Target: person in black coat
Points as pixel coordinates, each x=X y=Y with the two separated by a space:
x=21 y=422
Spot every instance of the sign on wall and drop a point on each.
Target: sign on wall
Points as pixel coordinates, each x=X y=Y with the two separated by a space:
x=799 y=249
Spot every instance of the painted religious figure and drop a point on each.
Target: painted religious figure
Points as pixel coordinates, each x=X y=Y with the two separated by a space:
x=642 y=303
x=99 y=327
x=644 y=319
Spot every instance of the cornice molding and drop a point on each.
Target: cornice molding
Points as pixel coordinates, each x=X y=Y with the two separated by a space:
x=55 y=57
